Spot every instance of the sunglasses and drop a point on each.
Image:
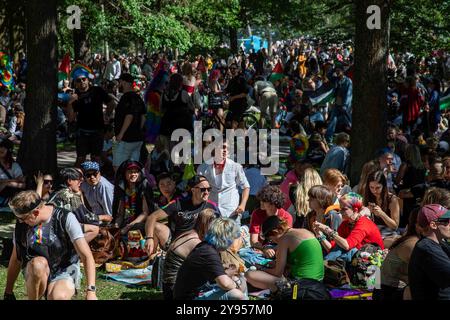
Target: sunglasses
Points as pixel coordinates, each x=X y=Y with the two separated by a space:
x=48 y=181
x=444 y=222
x=79 y=80
x=204 y=189
x=87 y=175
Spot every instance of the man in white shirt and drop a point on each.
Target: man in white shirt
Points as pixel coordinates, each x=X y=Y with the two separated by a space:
x=113 y=69
x=225 y=177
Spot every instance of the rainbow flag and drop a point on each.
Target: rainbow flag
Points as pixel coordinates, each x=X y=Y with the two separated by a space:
x=64 y=68
x=6 y=71
x=81 y=69
x=153 y=116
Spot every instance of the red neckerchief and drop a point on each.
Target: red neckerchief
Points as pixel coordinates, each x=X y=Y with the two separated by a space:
x=219 y=166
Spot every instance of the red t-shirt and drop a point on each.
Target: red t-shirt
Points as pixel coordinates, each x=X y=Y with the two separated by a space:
x=364 y=232
x=259 y=216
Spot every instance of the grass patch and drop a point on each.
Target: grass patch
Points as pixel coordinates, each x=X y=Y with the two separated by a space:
x=106 y=290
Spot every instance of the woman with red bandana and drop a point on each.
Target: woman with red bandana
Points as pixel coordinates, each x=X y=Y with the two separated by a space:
x=355 y=231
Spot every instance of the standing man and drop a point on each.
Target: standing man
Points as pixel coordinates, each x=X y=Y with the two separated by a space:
x=226 y=177
x=429 y=266
x=129 y=123
x=86 y=108
x=113 y=68
x=49 y=243
x=99 y=192
x=237 y=89
x=341 y=114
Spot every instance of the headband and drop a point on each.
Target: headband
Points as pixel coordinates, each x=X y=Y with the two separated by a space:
x=27 y=209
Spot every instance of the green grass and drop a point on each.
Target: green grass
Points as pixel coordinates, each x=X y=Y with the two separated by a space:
x=106 y=290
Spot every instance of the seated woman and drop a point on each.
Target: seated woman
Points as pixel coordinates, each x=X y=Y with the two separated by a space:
x=299 y=196
x=292 y=178
x=44 y=184
x=382 y=204
x=181 y=247
x=323 y=209
x=271 y=201
x=203 y=267
x=336 y=182
x=299 y=256
x=70 y=197
x=12 y=180
x=355 y=230
x=394 y=270
x=135 y=198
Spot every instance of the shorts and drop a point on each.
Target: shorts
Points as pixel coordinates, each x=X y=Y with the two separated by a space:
x=269 y=103
x=89 y=142
x=126 y=151
x=71 y=273
x=213 y=292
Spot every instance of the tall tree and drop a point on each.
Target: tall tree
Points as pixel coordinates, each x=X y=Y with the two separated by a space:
x=38 y=148
x=370 y=84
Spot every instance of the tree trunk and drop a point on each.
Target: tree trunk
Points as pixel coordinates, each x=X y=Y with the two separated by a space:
x=38 y=148
x=81 y=45
x=233 y=40
x=370 y=86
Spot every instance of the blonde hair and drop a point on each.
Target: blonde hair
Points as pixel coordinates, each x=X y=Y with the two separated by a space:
x=309 y=179
x=333 y=176
x=23 y=200
x=203 y=222
x=368 y=168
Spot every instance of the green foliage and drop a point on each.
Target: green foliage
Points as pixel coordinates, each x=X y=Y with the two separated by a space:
x=201 y=25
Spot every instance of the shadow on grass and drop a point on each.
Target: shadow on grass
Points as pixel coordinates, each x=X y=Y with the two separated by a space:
x=142 y=293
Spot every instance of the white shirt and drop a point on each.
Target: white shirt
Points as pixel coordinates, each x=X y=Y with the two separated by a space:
x=225 y=194
x=113 y=70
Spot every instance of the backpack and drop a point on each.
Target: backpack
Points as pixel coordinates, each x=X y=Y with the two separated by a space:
x=104 y=246
x=357 y=269
x=335 y=274
x=302 y=289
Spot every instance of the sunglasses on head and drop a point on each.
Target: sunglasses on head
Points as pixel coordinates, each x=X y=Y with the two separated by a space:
x=79 y=80
x=87 y=175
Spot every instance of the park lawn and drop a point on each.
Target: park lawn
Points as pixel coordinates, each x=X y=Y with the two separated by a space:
x=106 y=290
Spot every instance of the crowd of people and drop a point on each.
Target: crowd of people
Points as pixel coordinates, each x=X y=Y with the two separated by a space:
x=121 y=113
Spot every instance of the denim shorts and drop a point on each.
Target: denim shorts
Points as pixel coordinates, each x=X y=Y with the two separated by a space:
x=72 y=272
x=213 y=292
x=126 y=151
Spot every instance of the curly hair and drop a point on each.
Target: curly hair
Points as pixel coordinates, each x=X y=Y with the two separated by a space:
x=272 y=195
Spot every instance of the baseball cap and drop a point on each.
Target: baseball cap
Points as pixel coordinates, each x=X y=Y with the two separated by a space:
x=126 y=77
x=195 y=180
x=90 y=166
x=432 y=212
x=134 y=165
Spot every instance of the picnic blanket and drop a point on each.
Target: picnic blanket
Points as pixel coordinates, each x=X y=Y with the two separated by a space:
x=134 y=277
x=251 y=257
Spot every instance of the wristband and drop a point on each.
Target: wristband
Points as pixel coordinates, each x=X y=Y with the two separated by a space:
x=148 y=238
x=322 y=237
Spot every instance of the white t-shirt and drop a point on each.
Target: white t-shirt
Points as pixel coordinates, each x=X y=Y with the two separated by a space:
x=15 y=172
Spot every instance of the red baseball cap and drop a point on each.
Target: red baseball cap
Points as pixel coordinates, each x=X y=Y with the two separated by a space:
x=432 y=212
